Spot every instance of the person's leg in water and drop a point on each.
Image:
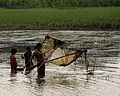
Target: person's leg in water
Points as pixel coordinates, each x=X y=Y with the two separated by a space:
x=41 y=71
x=27 y=70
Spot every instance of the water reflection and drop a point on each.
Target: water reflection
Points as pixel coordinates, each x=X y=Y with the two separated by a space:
x=40 y=81
x=103 y=53
x=13 y=80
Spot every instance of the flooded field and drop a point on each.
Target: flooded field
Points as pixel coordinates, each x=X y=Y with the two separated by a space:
x=103 y=56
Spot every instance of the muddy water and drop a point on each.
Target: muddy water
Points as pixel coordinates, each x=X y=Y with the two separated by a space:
x=103 y=56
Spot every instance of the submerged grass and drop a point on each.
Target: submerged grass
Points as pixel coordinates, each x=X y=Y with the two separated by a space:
x=92 y=18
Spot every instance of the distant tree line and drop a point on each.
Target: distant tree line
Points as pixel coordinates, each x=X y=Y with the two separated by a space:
x=57 y=3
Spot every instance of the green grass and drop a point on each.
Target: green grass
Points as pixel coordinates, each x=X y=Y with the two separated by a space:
x=57 y=3
x=92 y=18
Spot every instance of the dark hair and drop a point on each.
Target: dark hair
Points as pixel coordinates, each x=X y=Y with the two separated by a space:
x=13 y=51
x=38 y=45
x=28 y=48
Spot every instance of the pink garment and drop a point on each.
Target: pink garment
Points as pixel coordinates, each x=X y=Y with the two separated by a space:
x=13 y=63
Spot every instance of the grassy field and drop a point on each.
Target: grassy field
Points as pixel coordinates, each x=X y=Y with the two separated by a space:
x=92 y=18
x=57 y=3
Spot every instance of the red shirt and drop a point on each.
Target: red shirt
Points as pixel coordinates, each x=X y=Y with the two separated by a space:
x=13 y=62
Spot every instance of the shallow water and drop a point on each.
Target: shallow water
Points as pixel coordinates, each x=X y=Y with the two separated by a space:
x=103 y=53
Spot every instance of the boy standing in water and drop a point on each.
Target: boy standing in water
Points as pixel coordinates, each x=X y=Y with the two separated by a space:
x=27 y=56
x=13 y=61
x=40 y=59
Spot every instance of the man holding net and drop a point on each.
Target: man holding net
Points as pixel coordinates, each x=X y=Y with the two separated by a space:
x=40 y=60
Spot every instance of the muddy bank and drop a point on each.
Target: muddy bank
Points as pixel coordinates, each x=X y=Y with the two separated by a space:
x=42 y=27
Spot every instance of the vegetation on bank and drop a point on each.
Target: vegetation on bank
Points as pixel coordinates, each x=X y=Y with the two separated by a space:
x=92 y=18
x=57 y=3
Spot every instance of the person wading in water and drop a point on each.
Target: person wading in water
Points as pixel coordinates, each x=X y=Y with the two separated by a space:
x=27 y=56
x=40 y=60
x=13 y=61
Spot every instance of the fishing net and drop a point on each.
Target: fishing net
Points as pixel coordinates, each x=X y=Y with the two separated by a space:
x=64 y=57
x=49 y=45
x=52 y=50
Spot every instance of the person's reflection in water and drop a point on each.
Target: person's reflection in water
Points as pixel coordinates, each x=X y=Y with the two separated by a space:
x=12 y=75
x=13 y=78
x=40 y=82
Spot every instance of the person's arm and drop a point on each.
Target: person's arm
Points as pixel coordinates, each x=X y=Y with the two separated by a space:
x=31 y=59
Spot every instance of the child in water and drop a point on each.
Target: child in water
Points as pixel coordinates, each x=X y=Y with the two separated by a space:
x=27 y=56
x=13 y=61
